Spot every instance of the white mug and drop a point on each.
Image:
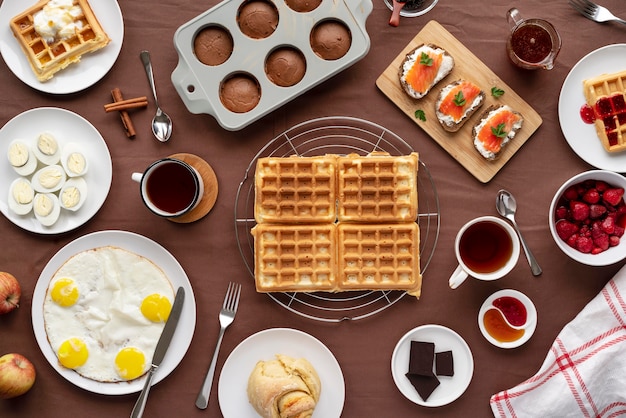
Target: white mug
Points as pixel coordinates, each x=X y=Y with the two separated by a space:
x=170 y=187
x=486 y=248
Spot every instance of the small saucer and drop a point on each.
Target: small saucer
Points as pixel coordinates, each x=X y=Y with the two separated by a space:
x=414 y=8
x=531 y=315
x=210 y=188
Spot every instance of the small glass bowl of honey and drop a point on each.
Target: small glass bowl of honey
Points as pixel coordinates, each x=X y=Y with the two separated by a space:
x=507 y=319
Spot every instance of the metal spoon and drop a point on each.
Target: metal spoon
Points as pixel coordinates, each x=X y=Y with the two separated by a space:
x=161 y=123
x=506 y=206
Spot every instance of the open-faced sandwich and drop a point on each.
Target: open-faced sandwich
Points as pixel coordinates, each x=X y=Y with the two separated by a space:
x=496 y=127
x=456 y=103
x=424 y=67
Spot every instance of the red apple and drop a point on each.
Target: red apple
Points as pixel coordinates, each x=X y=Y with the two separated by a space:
x=17 y=375
x=10 y=292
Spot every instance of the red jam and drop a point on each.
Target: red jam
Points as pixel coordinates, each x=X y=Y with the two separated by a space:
x=499 y=329
x=587 y=114
x=531 y=43
x=513 y=310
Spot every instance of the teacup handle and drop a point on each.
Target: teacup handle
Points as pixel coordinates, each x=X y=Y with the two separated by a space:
x=514 y=17
x=457 y=277
x=136 y=177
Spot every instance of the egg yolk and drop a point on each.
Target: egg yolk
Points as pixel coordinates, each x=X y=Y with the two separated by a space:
x=130 y=363
x=64 y=292
x=73 y=353
x=156 y=307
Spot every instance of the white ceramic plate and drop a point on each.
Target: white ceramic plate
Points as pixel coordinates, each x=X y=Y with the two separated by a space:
x=450 y=388
x=581 y=136
x=146 y=248
x=91 y=68
x=264 y=345
x=531 y=313
x=67 y=127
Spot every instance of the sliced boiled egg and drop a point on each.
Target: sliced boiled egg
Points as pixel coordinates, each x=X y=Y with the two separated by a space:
x=21 y=158
x=47 y=208
x=73 y=194
x=49 y=179
x=73 y=160
x=47 y=149
x=21 y=195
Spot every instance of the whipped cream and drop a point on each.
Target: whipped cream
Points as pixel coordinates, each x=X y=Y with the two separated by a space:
x=58 y=20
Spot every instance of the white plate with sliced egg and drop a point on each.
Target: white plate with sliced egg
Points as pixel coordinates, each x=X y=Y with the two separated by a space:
x=143 y=247
x=73 y=135
x=91 y=68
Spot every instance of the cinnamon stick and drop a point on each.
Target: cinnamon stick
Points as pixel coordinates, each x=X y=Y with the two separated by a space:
x=116 y=93
x=126 y=104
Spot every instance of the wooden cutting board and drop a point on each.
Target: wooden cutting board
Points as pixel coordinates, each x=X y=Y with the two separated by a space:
x=467 y=66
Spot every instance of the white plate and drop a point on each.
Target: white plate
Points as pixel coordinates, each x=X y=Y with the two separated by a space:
x=264 y=345
x=146 y=248
x=92 y=66
x=67 y=127
x=531 y=320
x=581 y=136
x=445 y=339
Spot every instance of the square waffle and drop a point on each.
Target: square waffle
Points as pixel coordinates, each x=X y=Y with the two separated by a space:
x=298 y=258
x=379 y=257
x=295 y=189
x=377 y=188
x=605 y=95
x=47 y=58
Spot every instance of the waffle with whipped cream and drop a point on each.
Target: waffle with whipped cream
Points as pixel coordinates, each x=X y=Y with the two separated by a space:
x=377 y=187
x=56 y=33
x=605 y=94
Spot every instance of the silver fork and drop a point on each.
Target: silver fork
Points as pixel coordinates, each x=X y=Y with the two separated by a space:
x=594 y=12
x=227 y=316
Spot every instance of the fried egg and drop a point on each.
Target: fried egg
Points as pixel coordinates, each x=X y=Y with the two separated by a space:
x=104 y=311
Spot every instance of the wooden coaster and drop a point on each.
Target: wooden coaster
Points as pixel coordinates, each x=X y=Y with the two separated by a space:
x=210 y=188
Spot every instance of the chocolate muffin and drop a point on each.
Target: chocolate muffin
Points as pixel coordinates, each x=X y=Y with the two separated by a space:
x=285 y=66
x=240 y=93
x=303 y=6
x=213 y=45
x=257 y=19
x=331 y=39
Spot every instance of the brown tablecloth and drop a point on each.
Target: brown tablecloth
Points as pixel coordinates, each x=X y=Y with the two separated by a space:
x=208 y=250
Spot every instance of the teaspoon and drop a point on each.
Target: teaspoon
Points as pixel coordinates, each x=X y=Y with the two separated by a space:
x=161 y=123
x=506 y=206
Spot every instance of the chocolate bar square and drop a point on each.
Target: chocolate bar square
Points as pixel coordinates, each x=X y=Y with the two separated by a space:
x=444 y=363
x=425 y=385
x=421 y=357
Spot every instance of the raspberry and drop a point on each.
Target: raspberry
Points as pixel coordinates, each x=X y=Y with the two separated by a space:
x=602 y=241
x=591 y=196
x=584 y=244
x=565 y=229
x=580 y=211
x=619 y=231
x=571 y=193
x=613 y=196
x=561 y=212
x=608 y=225
x=601 y=186
x=614 y=241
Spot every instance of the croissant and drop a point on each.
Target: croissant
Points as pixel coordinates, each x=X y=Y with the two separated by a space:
x=284 y=388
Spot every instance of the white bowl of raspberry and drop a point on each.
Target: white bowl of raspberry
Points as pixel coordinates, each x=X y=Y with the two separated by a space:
x=588 y=218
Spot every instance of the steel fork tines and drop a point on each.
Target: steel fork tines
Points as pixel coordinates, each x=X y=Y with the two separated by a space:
x=226 y=317
x=594 y=11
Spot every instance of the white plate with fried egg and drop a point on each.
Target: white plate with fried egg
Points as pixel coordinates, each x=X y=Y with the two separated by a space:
x=69 y=129
x=138 y=245
x=76 y=77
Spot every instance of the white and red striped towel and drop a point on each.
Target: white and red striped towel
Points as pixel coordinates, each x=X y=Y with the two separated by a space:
x=584 y=374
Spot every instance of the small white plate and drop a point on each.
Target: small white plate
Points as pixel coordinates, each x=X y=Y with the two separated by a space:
x=450 y=388
x=67 y=127
x=264 y=345
x=146 y=248
x=91 y=68
x=581 y=136
x=531 y=318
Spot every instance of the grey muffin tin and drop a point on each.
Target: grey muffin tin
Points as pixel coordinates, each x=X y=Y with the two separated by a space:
x=199 y=85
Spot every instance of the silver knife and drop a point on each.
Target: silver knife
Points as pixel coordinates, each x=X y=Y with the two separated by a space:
x=160 y=350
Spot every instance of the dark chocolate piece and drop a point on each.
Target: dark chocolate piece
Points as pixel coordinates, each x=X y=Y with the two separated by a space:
x=425 y=385
x=444 y=363
x=421 y=357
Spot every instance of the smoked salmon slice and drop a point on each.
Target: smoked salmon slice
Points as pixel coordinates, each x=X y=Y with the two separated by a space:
x=496 y=128
x=458 y=99
x=423 y=68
